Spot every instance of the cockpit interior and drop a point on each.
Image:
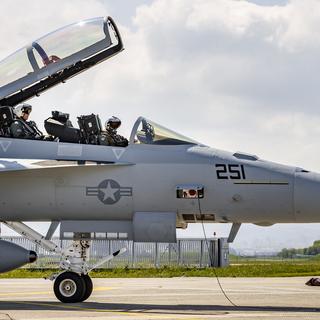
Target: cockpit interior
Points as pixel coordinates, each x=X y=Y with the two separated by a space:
x=90 y=131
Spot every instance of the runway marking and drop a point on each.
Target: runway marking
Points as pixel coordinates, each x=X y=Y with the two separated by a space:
x=103 y=288
x=141 y=314
x=23 y=293
x=8 y=294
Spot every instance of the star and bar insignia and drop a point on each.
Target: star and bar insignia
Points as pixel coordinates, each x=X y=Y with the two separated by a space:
x=109 y=191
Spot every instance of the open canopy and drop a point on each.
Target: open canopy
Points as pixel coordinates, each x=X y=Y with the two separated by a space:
x=56 y=57
x=148 y=132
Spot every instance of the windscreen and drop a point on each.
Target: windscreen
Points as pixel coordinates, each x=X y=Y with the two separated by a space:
x=149 y=132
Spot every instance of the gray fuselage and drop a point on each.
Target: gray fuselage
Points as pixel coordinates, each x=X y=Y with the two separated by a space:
x=236 y=189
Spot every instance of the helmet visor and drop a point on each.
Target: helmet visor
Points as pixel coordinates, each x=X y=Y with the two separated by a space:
x=114 y=124
x=26 y=109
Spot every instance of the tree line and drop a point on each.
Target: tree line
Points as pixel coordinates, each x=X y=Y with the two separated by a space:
x=292 y=253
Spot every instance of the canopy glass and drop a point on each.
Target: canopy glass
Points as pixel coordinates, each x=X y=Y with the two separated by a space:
x=148 y=132
x=55 y=52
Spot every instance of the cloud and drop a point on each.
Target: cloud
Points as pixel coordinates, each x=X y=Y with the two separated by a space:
x=236 y=75
x=24 y=21
x=237 y=48
x=225 y=72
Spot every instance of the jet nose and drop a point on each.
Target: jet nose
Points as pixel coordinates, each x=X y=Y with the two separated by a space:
x=307 y=196
x=32 y=256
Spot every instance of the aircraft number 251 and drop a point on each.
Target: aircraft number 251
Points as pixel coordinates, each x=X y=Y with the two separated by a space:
x=230 y=171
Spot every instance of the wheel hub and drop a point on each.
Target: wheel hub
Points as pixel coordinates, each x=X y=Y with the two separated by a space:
x=67 y=287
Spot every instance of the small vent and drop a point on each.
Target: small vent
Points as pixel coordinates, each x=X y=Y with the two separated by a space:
x=245 y=156
x=198 y=217
x=188 y=217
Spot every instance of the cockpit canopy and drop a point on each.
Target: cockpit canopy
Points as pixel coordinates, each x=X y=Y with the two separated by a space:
x=148 y=132
x=56 y=57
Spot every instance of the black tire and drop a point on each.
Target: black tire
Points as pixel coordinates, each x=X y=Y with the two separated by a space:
x=89 y=286
x=69 y=287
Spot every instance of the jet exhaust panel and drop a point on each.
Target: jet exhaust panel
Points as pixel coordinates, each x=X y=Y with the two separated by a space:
x=13 y=256
x=154 y=227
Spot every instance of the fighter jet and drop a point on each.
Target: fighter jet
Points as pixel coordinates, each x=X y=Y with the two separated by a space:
x=143 y=192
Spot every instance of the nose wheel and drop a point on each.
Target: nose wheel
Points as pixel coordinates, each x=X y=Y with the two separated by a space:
x=70 y=287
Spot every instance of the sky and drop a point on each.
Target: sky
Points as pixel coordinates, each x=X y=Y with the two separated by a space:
x=235 y=75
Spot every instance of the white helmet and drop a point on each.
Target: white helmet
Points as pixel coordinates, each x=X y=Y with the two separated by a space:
x=22 y=108
x=113 y=123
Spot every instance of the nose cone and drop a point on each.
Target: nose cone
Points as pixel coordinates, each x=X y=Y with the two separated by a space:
x=307 y=197
x=32 y=256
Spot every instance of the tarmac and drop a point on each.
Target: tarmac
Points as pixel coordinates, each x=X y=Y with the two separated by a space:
x=165 y=298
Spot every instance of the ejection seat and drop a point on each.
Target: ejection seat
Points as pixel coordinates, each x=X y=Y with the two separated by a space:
x=6 y=118
x=60 y=127
x=89 y=132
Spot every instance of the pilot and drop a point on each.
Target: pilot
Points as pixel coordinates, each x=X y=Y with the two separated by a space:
x=21 y=127
x=113 y=138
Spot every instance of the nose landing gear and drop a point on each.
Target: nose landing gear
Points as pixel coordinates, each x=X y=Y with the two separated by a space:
x=73 y=284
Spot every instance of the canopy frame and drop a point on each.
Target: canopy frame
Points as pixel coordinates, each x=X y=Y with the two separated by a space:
x=61 y=76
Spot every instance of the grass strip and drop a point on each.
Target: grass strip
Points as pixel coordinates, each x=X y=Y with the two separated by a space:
x=266 y=269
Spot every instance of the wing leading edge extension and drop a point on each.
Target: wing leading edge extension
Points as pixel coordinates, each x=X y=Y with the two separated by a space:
x=9 y=165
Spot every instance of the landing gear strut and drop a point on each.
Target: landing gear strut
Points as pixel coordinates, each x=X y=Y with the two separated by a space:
x=73 y=284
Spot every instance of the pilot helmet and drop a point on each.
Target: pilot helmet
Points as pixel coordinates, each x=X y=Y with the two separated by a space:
x=113 y=123
x=22 y=108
